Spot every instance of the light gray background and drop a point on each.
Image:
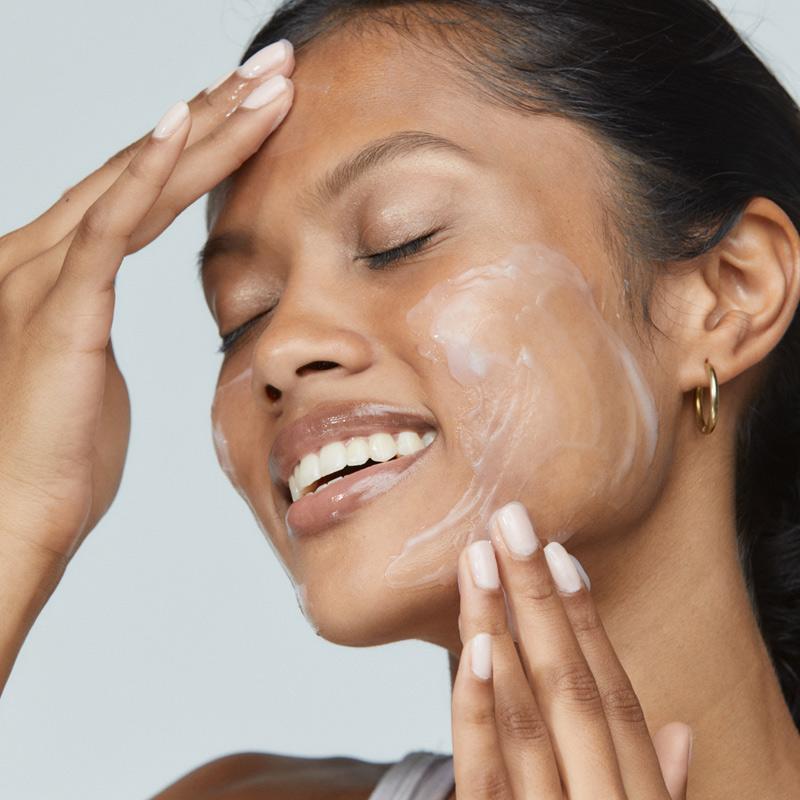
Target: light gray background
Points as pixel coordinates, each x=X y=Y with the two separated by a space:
x=174 y=636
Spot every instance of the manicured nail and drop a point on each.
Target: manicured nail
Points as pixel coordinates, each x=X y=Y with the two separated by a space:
x=582 y=572
x=515 y=527
x=267 y=92
x=480 y=656
x=483 y=565
x=266 y=59
x=562 y=568
x=171 y=121
x=219 y=83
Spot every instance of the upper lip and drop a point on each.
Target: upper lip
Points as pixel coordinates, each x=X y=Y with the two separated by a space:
x=332 y=422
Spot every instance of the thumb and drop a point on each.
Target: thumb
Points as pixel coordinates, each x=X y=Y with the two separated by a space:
x=673 y=745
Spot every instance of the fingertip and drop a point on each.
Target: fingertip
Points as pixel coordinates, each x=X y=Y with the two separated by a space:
x=172 y=121
x=480 y=656
x=673 y=746
x=582 y=572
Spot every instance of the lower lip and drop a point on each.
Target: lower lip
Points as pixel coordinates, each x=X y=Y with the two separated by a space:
x=313 y=513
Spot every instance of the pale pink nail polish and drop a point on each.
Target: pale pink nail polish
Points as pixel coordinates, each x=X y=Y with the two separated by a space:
x=515 y=527
x=480 y=656
x=266 y=59
x=582 y=572
x=483 y=565
x=562 y=568
x=171 y=121
x=266 y=93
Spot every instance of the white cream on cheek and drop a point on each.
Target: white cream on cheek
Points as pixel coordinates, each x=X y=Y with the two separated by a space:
x=232 y=394
x=548 y=391
x=240 y=383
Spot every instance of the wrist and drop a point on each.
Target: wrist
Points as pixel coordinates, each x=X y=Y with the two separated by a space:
x=28 y=577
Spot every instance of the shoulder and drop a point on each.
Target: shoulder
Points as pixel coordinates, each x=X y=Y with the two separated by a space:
x=268 y=776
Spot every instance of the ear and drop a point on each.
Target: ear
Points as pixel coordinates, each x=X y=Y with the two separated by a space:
x=737 y=302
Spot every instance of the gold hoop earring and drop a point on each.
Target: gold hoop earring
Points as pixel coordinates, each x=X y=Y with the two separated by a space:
x=707 y=426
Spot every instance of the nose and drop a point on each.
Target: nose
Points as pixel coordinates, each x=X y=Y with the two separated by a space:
x=304 y=352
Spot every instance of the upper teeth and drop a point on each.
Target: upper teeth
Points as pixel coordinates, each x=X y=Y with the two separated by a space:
x=335 y=456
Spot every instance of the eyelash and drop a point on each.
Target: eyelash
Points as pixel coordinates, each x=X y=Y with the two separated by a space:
x=377 y=261
x=380 y=260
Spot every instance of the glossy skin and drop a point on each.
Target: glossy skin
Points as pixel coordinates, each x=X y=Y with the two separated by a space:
x=647 y=558
x=664 y=567
x=333 y=308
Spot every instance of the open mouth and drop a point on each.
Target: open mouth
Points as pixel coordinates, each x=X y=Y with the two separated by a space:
x=322 y=500
x=337 y=476
x=336 y=460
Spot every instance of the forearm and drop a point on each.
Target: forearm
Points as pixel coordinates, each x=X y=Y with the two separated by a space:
x=27 y=579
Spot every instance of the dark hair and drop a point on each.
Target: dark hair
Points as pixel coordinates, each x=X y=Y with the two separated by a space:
x=695 y=126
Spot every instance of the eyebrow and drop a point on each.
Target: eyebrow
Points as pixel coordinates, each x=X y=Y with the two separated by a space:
x=333 y=183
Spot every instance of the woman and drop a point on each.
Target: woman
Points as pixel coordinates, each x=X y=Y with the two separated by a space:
x=491 y=278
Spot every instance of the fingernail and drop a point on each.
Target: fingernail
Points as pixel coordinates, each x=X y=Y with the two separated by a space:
x=582 y=572
x=219 y=83
x=171 y=121
x=515 y=527
x=266 y=59
x=483 y=565
x=480 y=656
x=562 y=568
x=267 y=92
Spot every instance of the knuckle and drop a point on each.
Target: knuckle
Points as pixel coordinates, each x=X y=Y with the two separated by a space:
x=522 y=723
x=473 y=715
x=142 y=173
x=490 y=784
x=622 y=704
x=584 y=616
x=96 y=222
x=575 y=685
x=15 y=295
x=533 y=591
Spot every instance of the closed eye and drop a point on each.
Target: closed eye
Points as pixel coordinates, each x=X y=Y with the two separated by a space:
x=381 y=260
x=376 y=261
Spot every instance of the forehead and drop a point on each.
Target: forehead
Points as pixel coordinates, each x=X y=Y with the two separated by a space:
x=354 y=87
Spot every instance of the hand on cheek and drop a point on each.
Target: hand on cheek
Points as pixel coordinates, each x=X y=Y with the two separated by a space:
x=554 y=714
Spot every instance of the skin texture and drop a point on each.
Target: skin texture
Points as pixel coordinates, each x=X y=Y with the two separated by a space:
x=306 y=257
x=664 y=566
x=666 y=579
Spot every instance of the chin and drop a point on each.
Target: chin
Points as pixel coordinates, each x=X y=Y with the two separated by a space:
x=350 y=610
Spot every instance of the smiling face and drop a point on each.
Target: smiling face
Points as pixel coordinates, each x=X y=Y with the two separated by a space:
x=504 y=332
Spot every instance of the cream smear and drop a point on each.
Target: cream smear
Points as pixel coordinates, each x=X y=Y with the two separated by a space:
x=537 y=362
x=221 y=445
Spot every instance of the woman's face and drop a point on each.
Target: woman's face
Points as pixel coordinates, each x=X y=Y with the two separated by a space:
x=503 y=335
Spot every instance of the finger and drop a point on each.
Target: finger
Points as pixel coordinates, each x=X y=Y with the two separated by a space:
x=209 y=108
x=101 y=240
x=206 y=164
x=480 y=773
x=561 y=679
x=673 y=745
x=522 y=732
x=633 y=744
x=222 y=152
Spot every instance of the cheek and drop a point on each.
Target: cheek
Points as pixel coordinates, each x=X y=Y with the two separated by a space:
x=544 y=401
x=235 y=427
x=229 y=396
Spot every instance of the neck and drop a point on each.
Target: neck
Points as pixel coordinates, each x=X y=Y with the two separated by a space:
x=673 y=599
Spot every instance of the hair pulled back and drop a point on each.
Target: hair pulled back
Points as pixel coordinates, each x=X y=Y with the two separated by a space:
x=696 y=126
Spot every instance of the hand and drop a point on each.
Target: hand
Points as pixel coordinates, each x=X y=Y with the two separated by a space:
x=64 y=404
x=556 y=717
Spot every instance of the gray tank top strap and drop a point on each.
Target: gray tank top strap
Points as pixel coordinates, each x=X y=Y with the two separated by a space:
x=418 y=776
